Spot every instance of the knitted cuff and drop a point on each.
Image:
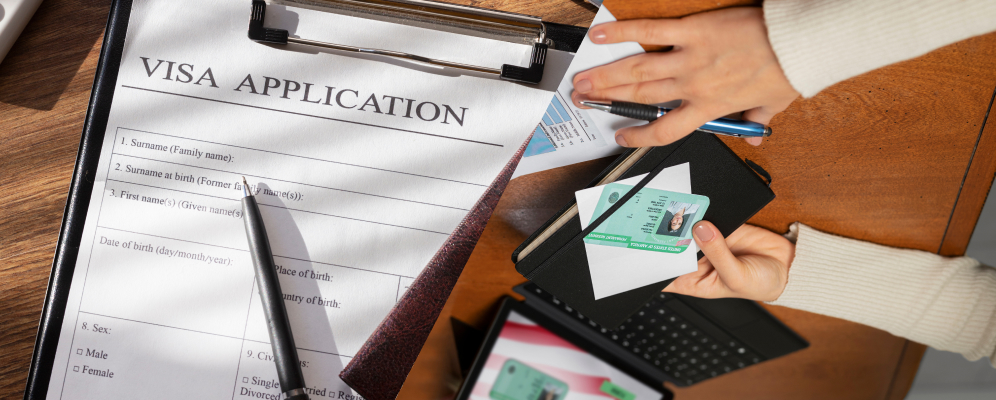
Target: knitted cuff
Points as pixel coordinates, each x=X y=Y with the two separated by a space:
x=947 y=303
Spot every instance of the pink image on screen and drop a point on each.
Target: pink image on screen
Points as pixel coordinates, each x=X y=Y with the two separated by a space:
x=558 y=357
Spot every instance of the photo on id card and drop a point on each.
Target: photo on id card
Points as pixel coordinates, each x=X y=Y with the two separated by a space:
x=652 y=220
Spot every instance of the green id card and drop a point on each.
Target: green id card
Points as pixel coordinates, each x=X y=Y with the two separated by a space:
x=652 y=220
x=518 y=381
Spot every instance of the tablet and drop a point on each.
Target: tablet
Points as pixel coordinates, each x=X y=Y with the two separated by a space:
x=522 y=358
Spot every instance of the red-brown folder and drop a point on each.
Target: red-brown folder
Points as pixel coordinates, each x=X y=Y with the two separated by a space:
x=379 y=369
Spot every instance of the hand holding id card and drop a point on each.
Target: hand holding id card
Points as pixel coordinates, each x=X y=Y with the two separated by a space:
x=653 y=220
x=648 y=239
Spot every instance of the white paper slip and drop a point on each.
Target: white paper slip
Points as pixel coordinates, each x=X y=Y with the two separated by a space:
x=363 y=167
x=567 y=134
x=617 y=269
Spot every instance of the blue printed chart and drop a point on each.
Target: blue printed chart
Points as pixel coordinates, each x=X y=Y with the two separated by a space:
x=562 y=126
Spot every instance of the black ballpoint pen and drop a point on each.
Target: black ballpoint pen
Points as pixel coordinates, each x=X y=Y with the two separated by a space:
x=721 y=126
x=277 y=324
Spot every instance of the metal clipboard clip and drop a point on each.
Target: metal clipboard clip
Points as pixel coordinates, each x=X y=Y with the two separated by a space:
x=496 y=24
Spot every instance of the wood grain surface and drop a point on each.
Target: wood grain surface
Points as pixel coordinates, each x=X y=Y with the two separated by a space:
x=45 y=82
x=975 y=187
x=901 y=156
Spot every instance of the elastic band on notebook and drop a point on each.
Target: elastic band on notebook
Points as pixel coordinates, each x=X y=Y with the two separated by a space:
x=758 y=170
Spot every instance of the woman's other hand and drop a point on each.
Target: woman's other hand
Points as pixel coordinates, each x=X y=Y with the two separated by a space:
x=752 y=263
x=722 y=63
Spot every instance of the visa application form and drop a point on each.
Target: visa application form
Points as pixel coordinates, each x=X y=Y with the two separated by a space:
x=362 y=167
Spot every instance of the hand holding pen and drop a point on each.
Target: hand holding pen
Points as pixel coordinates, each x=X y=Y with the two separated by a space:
x=721 y=63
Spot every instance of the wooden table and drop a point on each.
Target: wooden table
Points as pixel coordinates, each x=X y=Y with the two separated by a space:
x=900 y=156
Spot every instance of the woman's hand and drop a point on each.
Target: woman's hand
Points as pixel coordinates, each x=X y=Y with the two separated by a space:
x=722 y=63
x=753 y=263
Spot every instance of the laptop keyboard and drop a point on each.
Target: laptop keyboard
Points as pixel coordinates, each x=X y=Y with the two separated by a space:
x=665 y=336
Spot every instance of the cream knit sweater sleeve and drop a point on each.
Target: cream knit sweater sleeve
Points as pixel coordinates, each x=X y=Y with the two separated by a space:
x=822 y=42
x=946 y=303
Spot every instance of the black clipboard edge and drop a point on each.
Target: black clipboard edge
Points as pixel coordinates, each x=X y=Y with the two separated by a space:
x=80 y=190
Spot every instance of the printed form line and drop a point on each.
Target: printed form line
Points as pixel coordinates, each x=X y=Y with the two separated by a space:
x=286 y=181
x=246 y=251
x=205 y=333
x=287 y=208
x=304 y=157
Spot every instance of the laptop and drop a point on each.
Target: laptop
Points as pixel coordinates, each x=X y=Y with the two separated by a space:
x=542 y=349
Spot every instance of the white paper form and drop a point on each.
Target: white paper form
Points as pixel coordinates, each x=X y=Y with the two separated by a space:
x=617 y=269
x=362 y=167
x=567 y=134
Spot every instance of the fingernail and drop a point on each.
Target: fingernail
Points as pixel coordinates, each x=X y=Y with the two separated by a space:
x=597 y=36
x=754 y=141
x=577 y=98
x=583 y=86
x=621 y=140
x=703 y=233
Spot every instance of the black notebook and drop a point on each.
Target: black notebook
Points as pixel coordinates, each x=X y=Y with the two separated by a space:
x=554 y=256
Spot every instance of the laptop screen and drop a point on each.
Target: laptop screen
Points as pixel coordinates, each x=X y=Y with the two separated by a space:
x=528 y=362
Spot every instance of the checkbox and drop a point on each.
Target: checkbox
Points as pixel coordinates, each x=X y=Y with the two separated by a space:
x=76 y=369
x=245 y=379
x=79 y=351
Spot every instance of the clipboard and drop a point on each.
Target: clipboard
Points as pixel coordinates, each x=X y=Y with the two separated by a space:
x=476 y=21
x=425 y=299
